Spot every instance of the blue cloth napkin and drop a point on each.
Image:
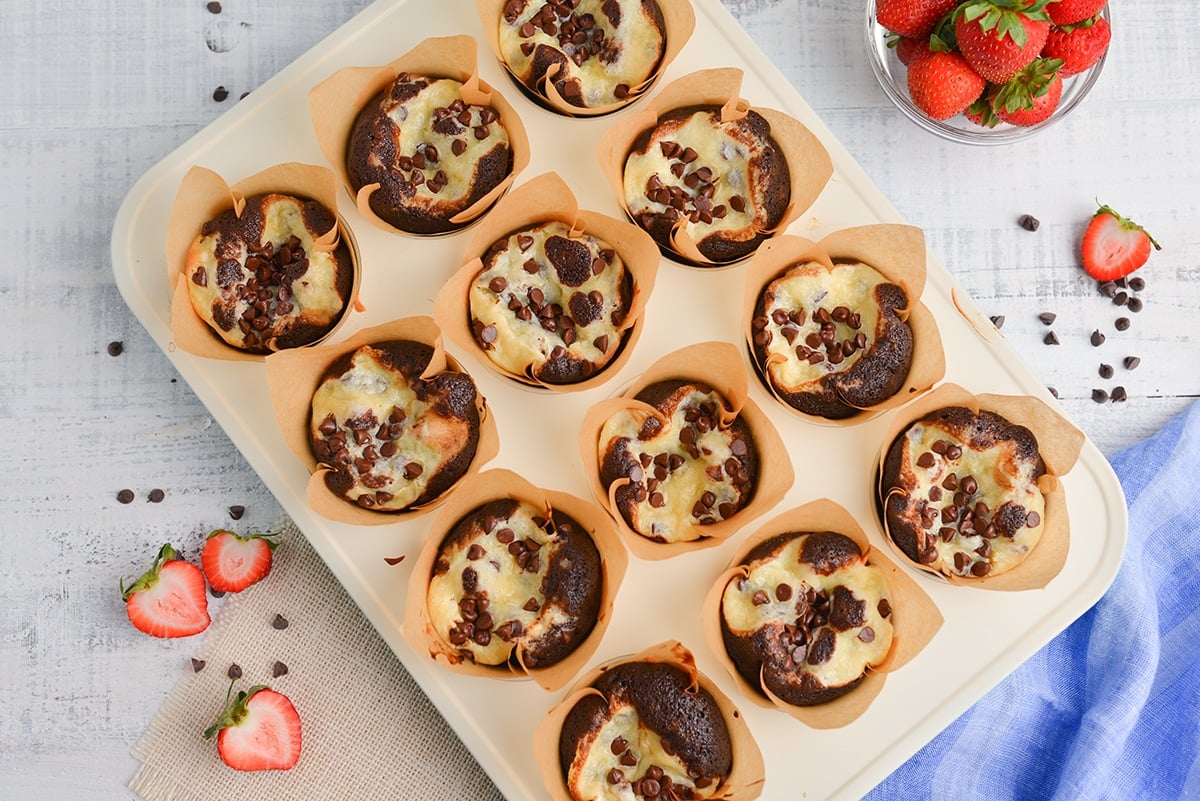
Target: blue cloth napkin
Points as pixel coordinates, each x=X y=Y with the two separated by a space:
x=1109 y=709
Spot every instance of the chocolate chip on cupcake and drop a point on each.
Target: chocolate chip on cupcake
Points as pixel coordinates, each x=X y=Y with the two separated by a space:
x=266 y=280
x=512 y=585
x=808 y=618
x=391 y=439
x=549 y=305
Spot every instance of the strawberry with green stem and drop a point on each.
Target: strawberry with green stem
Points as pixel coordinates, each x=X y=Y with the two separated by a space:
x=259 y=729
x=912 y=18
x=1113 y=246
x=1031 y=95
x=1000 y=37
x=167 y=600
x=1079 y=45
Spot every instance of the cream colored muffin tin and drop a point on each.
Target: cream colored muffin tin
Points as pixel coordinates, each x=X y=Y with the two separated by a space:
x=986 y=634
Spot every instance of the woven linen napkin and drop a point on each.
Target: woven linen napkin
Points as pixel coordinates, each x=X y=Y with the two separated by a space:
x=1110 y=709
x=370 y=734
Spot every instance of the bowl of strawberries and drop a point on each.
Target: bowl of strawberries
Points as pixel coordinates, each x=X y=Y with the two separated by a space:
x=987 y=72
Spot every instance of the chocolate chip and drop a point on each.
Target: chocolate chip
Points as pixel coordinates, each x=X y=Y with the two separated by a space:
x=1121 y=323
x=1032 y=519
x=394 y=560
x=1053 y=391
x=760 y=598
x=115 y=348
x=216 y=593
x=998 y=321
x=1131 y=362
x=1028 y=222
x=969 y=485
x=476 y=552
x=980 y=569
x=616 y=776
x=866 y=634
x=926 y=460
x=278 y=669
x=1107 y=288
x=498 y=284
x=235 y=671
x=1119 y=395
x=155 y=496
x=1047 y=318
x=1051 y=338
x=1137 y=283
x=198 y=665
x=125 y=496
x=1135 y=305
x=279 y=622
x=1099 y=395
x=1097 y=338
x=214 y=7
x=1106 y=371
x=220 y=93
x=1120 y=299
x=236 y=512
x=885 y=607
x=783 y=592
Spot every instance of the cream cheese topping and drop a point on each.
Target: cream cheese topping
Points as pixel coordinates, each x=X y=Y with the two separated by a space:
x=595 y=767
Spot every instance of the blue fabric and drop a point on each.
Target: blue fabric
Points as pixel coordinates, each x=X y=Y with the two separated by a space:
x=1109 y=709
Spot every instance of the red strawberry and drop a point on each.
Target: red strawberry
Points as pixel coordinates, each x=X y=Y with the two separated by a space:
x=999 y=37
x=168 y=600
x=232 y=563
x=1065 y=12
x=909 y=49
x=1032 y=95
x=981 y=112
x=258 y=730
x=1079 y=46
x=942 y=85
x=914 y=18
x=1113 y=246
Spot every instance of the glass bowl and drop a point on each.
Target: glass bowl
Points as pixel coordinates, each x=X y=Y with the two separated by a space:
x=893 y=78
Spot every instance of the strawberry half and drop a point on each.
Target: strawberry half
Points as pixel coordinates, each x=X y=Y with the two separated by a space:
x=1113 y=246
x=1079 y=46
x=999 y=37
x=167 y=600
x=232 y=562
x=258 y=730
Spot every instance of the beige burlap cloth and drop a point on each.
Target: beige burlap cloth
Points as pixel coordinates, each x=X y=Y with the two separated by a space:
x=369 y=732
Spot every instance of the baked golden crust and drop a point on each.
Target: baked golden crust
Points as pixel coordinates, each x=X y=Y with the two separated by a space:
x=259 y=281
x=960 y=492
x=832 y=342
x=432 y=154
x=727 y=183
x=391 y=439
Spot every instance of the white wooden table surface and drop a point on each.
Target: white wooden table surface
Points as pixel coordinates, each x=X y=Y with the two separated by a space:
x=96 y=92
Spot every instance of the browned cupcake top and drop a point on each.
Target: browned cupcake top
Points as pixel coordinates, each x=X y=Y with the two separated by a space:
x=650 y=734
x=809 y=618
x=962 y=494
x=260 y=282
x=507 y=577
x=691 y=465
x=391 y=438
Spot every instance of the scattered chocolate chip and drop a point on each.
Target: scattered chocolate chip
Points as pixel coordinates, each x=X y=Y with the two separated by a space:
x=115 y=348
x=1134 y=305
x=220 y=93
x=1047 y=318
x=1131 y=362
x=125 y=496
x=214 y=7
x=1106 y=371
x=236 y=511
x=197 y=665
x=1028 y=222
x=243 y=95
x=1053 y=391
x=1099 y=395
x=235 y=671
x=1137 y=283
x=278 y=669
x=1107 y=288
x=1119 y=395
x=1051 y=338
x=1097 y=338
x=1121 y=323
x=998 y=321
x=1120 y=299
x=394 y=560
x=279 y=622
x=155 y=496
x=216 y=593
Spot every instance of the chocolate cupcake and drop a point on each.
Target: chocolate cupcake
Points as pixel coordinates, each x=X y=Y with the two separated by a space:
x=962 y=493
x=432 y=153
x=809 y=617
x=509 y=583
x=261 y=279
x=390 y=437
x=833 y=341
x=693 y=464
x=550 y=305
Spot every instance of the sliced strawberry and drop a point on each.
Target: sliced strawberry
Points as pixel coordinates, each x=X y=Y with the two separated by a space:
x=232 y=562
x=1079 y=46
x=999 y=37
x=1066 y=12
x=913 y=18
x=257 y=730
x=942 y=85
x=167 y=600
x=1113 y=246
x=1032 y=95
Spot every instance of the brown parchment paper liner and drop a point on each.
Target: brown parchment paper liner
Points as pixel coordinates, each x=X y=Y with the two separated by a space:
x=717 y=365
x=292 y=379
x=475 y=491
x=679 y=20
x=543 y=199
x=808 y=162
x=746 y=778
x=895 y=251
x=915 y=618
x=334 y=104
x=202 y=195
x=1059 y=443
